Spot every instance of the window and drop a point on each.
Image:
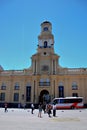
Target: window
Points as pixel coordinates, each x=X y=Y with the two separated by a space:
x=2 y=97
x=75 y=94
x=47 y=82
x=28 y=93
x=45 y=44
x=74 y=86
x=45 y=68
x=44 y=82
x=3 y=87
x=16 y=87
x=61 y=91
x=41 y=82
x=16 y=96
x=56 y=101
x=61 y=100
x=44 y=53
x=45 y=28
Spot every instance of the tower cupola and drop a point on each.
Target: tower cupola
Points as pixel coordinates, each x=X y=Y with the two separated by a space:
x=46 y=27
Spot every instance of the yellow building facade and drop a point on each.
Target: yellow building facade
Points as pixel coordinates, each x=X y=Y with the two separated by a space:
x=45 y=79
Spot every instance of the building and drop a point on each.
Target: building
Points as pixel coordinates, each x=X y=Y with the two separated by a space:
x=44 y=79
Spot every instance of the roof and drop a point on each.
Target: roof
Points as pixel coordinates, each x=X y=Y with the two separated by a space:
x=46 y=22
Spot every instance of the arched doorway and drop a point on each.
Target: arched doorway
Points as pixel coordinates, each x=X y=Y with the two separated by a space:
x=44 y=96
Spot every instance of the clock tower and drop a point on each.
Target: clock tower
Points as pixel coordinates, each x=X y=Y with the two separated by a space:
x=45 y=61
x=46 y=38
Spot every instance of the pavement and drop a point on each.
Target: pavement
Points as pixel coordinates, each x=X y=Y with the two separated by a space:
x=22 y=119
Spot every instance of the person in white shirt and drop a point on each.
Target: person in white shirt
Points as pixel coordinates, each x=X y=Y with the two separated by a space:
x=32 y=108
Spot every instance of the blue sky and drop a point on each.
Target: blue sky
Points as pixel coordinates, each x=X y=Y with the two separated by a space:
x=20 y=26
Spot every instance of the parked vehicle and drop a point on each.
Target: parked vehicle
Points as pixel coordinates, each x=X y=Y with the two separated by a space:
x=68 y=102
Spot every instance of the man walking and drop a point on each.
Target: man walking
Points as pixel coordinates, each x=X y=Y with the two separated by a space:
x=54 y=110
x=32 y=108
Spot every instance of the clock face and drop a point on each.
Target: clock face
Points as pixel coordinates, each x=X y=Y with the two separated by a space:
x=45 y=28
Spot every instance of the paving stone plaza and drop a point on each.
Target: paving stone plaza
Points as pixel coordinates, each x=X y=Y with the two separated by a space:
x=20 y=119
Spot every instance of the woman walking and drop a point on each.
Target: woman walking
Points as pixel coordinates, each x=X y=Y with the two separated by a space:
x=40 y=110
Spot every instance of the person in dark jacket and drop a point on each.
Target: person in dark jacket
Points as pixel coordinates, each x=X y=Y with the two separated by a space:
x=49 y=110
x=32 y=108
x=6 y=105
x=54 y=110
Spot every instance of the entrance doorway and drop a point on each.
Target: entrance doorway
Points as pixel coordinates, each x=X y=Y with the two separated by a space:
x=44 y=96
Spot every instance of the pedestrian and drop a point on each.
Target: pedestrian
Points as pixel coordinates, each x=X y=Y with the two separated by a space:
x=6 y=107
x=24 y=105
x=54 y=109
x=19 y=105
x=49 y=110
x=32 y=108
x=44 y=107
x=40 y=110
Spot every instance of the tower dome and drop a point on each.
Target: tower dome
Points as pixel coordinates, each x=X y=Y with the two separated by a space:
x=46 y=22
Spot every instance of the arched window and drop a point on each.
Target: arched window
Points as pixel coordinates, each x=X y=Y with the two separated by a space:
x=45 y=28
x=16 y=87
x=74 y=86
x=45 y=44
x=3 y=87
